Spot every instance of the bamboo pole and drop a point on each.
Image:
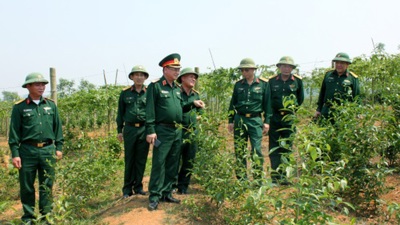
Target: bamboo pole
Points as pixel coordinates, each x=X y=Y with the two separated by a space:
x=53 y=84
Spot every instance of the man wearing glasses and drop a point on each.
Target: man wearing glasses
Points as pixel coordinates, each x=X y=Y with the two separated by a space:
x=164 y=111
x=249 y=101
x=131 y=118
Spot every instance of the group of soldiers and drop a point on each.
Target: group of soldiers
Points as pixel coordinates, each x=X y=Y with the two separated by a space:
x=164 y=114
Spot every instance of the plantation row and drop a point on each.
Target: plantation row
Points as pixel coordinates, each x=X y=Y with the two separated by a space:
x=364 y=142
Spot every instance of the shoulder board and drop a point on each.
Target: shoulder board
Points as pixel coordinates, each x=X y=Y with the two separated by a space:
x=353 y=74
x=155 y=81
x=263 y=79
x=239 y=80
x=126 y=88
x=195 y=91
x=49 y=99
x=19 y=101
x=272 y=76
x=297 y=76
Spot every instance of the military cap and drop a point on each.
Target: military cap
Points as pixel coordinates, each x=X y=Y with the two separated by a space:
x=171 y=60
x=139 y=68
x=342 y=57
x=34 y=78
x=247 y=63
x=185 y=71
x=286 y=60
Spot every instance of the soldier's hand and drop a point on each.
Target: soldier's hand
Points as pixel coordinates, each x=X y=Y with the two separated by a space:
x=230 y=127
x=265 y=128
x=151 y=138
x=59 y=155
x=120 y=137
x=199 y=103
x=317 y=114
x=16 y=161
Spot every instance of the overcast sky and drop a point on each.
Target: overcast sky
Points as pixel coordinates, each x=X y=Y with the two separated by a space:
x=81 y=38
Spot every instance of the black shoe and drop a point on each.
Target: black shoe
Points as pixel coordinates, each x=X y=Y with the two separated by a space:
x=152 y=206
x=125 y=196
x=171 y=199
x=140 y=192
x=182 y=191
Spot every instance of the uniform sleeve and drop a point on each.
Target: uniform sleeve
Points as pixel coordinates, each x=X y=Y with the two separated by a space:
x=15 y=132
x=150 y=109
x=232 y=110
x=321 y=96
x=267 y=106
x=356 y=88
x=58 y=135
x=300 y=93
x=120 y=113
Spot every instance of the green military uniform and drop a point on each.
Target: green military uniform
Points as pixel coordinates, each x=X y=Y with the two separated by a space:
x=189 y=122
x=246 y=106
x=278 y=89
x=131 y=120
x=336 y=88
x=35 y=135
x=162 y=112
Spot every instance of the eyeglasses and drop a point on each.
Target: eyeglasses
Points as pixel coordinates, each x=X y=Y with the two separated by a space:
x=174 y=69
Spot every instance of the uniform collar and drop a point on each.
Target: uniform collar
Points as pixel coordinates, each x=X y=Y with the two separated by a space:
x=164 y=82
x=256 y=80
x=345 y=73
x=291 y=77
x=142 y=90
x=29 y=100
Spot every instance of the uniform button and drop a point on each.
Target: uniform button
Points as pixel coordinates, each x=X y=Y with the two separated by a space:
x=283 y=89
x=39 y=114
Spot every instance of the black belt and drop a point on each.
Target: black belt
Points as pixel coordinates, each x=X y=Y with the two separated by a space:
x=139 y=124
x=38 y=144
x=172 y=125
x=250 y=115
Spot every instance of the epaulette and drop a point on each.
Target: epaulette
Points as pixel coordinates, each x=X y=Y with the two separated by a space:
x=19 y=101
x=126 y=88
x=155 y=81
x=263 y=79
x=49 y=99
x=195 y=91
x=273 y=76
x=297 y=76
x=353 y=74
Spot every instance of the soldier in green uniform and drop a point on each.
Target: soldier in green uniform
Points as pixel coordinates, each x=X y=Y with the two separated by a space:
x=131 y=120
x=249 y=100
x=163 y=112
x=188 y=78
x=36 y=142
x=283 y=85
x=338 y=84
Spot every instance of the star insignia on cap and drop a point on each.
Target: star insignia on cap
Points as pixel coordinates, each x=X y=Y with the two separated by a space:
x=176 y=61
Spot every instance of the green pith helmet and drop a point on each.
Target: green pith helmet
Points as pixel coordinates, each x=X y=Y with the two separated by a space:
x=138 y=68
x=34 y=78
x=342 y=57
x=247 y=63
x=185 y=71
x=287 y=60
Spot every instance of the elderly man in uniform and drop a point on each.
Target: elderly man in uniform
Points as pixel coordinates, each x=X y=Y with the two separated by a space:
x=36 y=142
x=249 y=100
x=188 y=78
x=163 y=113
x=338 y=84
x=131 y=119
x=284 y=85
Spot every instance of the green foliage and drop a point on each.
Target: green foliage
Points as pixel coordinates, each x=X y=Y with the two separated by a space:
x=83 y=177
x=10 y=96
